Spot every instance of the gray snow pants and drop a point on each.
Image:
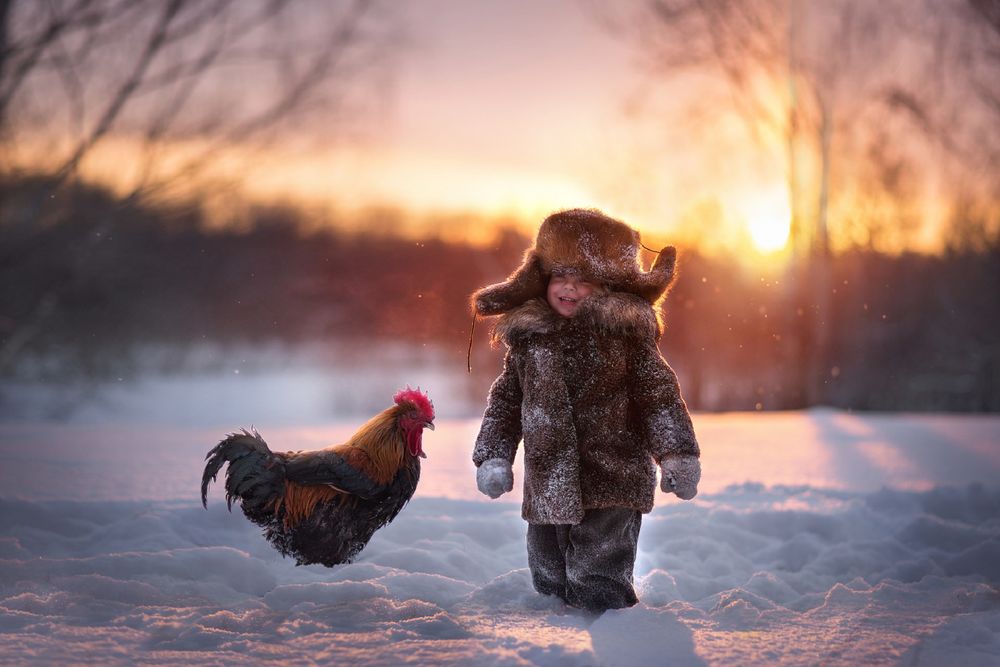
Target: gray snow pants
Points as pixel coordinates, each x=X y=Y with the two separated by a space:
x=589 y=564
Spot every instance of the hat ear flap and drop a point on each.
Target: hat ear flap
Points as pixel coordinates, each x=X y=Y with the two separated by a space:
x=654 y=284
x=524 y=284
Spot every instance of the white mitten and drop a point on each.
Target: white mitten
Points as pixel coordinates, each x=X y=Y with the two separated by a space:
x=680 y=475
x=495 y=477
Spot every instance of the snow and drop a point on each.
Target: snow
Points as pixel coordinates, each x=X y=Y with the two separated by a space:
x=826 y=449
x=820 y=537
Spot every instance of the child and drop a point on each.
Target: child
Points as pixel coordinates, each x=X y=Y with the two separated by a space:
x=585 y=386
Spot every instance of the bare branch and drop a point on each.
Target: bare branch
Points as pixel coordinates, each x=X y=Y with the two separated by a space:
x=72 y=85
x=58 y=24
x=320 y=67
x=118 y=102
x=988 y=11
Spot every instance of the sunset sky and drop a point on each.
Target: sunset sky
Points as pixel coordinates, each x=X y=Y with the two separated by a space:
x=519 y=108
x=497 y=106
x=510 y=110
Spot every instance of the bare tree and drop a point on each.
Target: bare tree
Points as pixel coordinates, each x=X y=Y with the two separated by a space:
x=819 y=78
x=221 y=72
x=957 y=107
x=179 y=81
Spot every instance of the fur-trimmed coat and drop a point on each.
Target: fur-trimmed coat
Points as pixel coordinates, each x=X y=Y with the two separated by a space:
x=594 y=401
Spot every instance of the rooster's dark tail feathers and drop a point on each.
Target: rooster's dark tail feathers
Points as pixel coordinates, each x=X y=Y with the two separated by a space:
x=255 y=476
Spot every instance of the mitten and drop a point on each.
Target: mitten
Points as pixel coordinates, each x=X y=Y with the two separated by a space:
x=495 y=477
x=680 y=475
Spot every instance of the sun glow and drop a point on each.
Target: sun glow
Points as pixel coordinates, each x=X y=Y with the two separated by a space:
x=768 y=218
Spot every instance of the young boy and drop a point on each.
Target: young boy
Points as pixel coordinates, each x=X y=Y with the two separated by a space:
x=585 y=386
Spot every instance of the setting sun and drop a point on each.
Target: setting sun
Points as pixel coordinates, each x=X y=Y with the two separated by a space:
x=767 y=216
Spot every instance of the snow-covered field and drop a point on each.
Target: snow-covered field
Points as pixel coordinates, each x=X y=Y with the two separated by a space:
x=818 y=538
x=794 y=553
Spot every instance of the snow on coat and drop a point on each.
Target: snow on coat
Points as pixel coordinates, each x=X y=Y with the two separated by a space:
x=594 y=401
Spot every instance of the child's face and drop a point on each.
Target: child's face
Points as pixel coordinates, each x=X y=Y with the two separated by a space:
x=566 y=292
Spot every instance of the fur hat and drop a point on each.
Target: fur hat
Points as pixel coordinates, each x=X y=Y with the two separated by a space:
x=585 y=241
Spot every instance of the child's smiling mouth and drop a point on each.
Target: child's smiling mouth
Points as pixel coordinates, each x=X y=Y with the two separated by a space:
x=566 y=293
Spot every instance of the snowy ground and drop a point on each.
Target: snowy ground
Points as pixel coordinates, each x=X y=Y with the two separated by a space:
x=818 y=538
x=794 y=553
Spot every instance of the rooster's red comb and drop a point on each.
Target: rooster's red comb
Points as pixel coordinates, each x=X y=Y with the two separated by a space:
x=417 y=399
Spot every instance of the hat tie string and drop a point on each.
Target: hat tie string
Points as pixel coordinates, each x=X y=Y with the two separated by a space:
x=468 y=358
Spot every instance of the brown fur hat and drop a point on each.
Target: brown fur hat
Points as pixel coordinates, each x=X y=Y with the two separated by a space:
x=600 y=248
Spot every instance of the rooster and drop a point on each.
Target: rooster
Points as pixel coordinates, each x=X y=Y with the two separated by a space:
x=323 y=506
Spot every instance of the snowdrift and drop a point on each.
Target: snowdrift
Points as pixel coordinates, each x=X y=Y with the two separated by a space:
x=753 y=574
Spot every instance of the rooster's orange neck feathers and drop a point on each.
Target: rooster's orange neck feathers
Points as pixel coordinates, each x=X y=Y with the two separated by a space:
x=381 y=440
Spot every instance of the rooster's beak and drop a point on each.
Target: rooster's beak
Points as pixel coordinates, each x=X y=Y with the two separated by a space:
x=429 y=425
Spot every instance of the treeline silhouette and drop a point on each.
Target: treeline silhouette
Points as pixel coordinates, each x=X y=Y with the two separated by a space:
x=87 y=282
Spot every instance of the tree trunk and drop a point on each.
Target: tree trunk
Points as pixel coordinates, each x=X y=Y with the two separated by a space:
x=5 y=6
x=799 y=317
x=819 y=360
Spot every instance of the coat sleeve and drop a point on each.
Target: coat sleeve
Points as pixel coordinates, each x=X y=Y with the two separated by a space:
x=331 y=469
x=500 y=432
x=663 y=419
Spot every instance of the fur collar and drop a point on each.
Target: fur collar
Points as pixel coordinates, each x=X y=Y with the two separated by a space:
x=615 y=313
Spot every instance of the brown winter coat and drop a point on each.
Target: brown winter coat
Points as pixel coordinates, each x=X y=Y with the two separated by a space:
x=594 y=401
